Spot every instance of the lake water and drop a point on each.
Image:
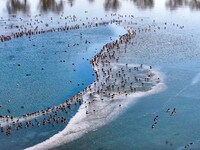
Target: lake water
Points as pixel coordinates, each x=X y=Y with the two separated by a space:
x=173 y=51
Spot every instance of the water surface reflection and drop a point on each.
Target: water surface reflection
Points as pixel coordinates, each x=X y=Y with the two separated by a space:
x=144 y=4
x=175 y=4
x=51 y=5
x=111 y=5
x=14 y=6
x=71 y=2
x=45 y=6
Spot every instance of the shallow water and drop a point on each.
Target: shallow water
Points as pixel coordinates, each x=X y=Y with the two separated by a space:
x=174 y=52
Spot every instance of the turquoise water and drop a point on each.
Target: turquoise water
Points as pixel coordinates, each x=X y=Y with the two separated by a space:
x=174 y=52
x=65 y=57
x=132 y=130
x=176 y=56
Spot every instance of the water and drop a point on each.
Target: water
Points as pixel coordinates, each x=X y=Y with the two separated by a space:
x=62 y=63
x=52 y=85
x=174 y=52
x=182 y=80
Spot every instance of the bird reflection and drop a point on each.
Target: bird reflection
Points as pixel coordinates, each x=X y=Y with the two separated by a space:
x=174 y=4
x=51 y=5
x=14 y=6
x=111 y=5
x=144 y=4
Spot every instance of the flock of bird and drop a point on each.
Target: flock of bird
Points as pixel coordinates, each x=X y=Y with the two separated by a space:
x=109 y=83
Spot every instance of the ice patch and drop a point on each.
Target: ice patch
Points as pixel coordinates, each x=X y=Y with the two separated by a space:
x=105 y=112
